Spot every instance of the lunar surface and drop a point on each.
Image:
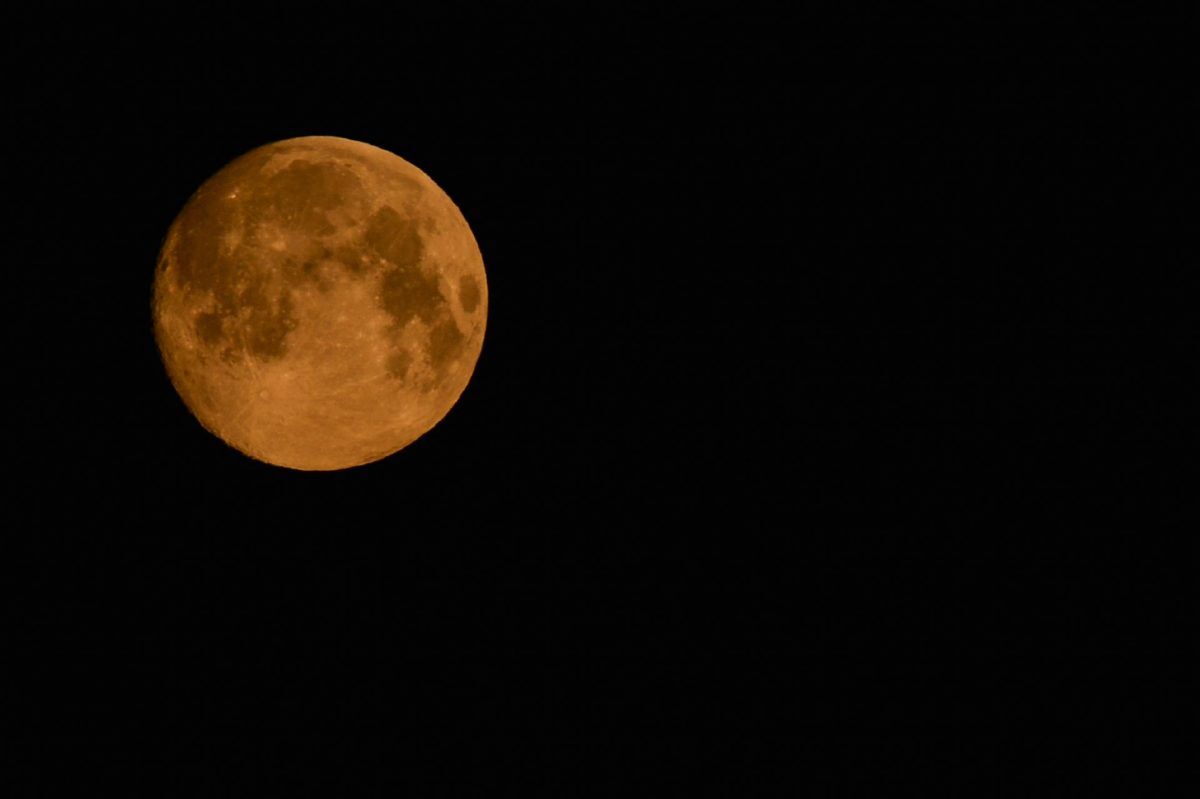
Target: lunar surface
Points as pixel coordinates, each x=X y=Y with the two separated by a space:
x=319 y=303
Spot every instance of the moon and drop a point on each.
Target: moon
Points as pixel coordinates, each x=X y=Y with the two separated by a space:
x=319 y=303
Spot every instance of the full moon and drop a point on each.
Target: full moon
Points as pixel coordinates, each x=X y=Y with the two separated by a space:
x=319 y=303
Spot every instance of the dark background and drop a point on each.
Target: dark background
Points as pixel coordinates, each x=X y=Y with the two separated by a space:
x=742 y=433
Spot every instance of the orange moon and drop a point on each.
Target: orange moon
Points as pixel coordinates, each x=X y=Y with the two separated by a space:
x=319 y=303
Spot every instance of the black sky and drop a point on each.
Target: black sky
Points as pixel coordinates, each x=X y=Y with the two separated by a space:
x=734 y=448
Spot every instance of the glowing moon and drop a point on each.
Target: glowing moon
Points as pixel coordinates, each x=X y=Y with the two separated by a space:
x=319 y=303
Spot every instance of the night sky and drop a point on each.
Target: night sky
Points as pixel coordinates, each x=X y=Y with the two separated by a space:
x=734 y=451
